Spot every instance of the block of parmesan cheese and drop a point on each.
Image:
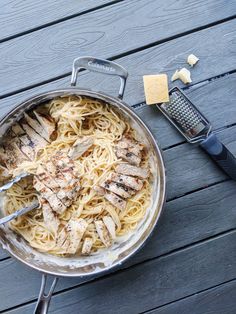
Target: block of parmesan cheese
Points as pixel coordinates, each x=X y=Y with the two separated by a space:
x=156 y=88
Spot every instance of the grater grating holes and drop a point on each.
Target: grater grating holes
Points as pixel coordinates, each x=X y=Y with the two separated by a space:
x=182 y=112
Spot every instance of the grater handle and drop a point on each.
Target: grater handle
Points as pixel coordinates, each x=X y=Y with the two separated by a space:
x=220 y=154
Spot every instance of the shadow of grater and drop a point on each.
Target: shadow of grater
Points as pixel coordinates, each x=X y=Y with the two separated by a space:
x=192 y=124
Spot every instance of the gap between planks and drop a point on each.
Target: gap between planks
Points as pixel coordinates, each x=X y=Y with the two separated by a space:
x=127 y=53
x=190 y=295
x=163 y=256
x=60 y=20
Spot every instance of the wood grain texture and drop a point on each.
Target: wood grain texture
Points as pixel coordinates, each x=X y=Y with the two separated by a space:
x=49 y=53
x=184 y=221
x=21 y=16
x=153 y=283
x=218 y=300
x=189 y=168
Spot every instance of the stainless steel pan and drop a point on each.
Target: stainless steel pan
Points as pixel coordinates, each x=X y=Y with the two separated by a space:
x=104 y=260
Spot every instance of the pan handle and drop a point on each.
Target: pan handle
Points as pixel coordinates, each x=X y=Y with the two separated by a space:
x=44 y=299
x=101 y=66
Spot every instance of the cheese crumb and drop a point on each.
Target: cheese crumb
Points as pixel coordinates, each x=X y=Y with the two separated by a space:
x=156 y=88
x=175 y=76
x=192 y=60
x=184 y=75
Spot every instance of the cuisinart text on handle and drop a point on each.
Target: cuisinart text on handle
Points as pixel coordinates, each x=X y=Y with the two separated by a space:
x=101 y=66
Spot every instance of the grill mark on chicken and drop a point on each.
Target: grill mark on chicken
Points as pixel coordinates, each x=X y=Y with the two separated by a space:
x=114 y=199
x=76 y=229
x=65 y=165
x=26 y=133
x=127 y=155
x=110 y=225
x=36 y=126
x=57 y=176
x=129 y=150
x=103 y=233
x=70 y=187
x=51 y=220
x=38 y=140
x=26 y=151
x=130 y=182
x=47 y=194
x=87 y=246
x=50 y=183
x=47 y=123
x=63 y=168
x=70 y=237
x=11 y=155
x=134 y=146
x=131 y=170
x=80 y=147
x=117 y=188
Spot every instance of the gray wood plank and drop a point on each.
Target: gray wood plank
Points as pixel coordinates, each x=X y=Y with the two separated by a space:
x=184 y=221
x=189 y=168
x=218 y=300
x=3 y=254
x=153 y=283
x=21 y=16
x=31 y=59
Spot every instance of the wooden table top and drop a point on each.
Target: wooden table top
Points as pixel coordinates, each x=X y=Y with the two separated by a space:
x=189 y=264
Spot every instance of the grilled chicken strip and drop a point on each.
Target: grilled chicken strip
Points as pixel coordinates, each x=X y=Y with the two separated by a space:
x=75 y=229
x=50 y=183
x=80 y=147
x=114 y=199
x=103 y=233
x=23 y=140
x=36 y=126
x=65 y=165
x=110 y=225
x=62 y=241
x=134 y=171
x=70 y=187
x=47 y=123
x=118 y=189
x=131 y=182
x=35 y=138
x=11 y=155
x=132 y=145
x=87 y=246
x=4 y=173
x=126 y=155
x=49 y=216
x=70 y=237
x=25 y=145
x=129 y=150
x=29 y=139
x=57 y=182
x=63 y=169
x=51 y=197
